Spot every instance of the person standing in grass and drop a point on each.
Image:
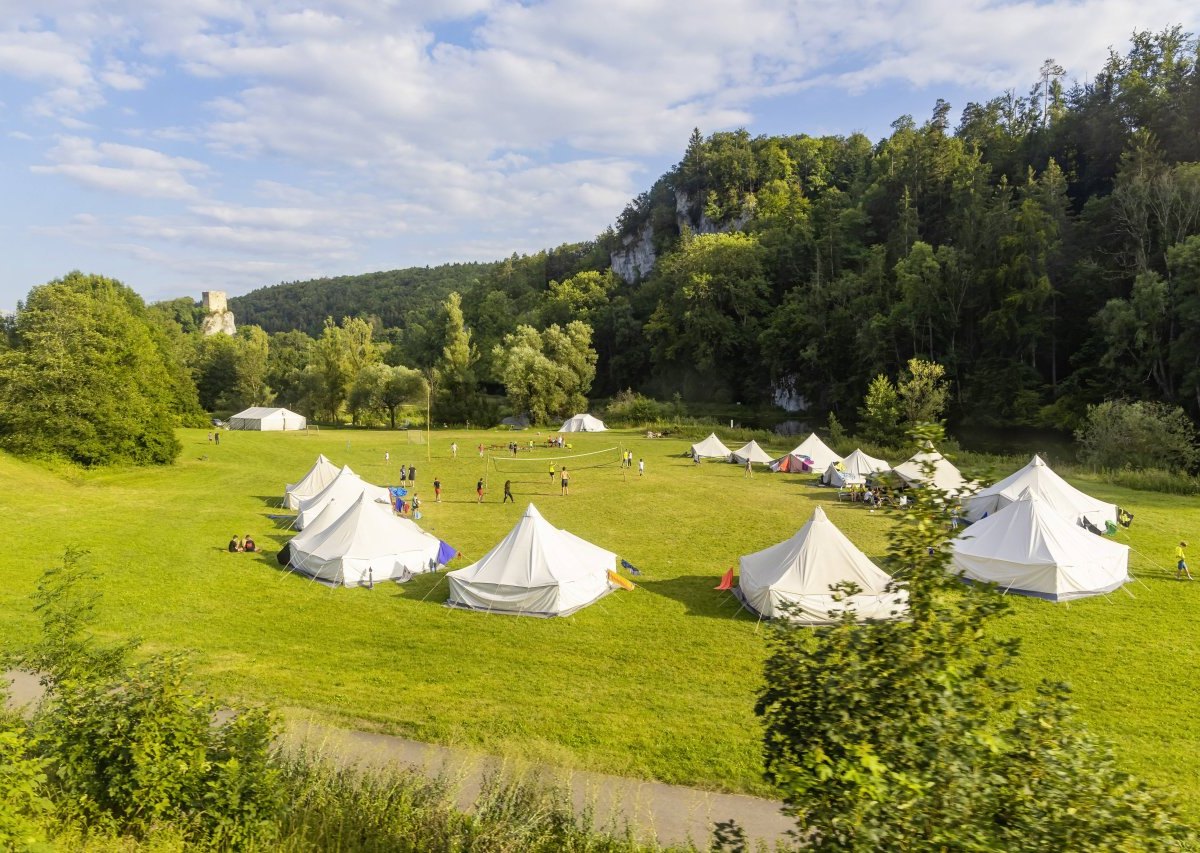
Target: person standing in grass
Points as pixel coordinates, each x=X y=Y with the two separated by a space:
x=479 y=490
x=551 y=472
x=437 y=490
x=508 y=496
x=1181 y=567
x=641 y=467
x=454 y=450
x=565 y=479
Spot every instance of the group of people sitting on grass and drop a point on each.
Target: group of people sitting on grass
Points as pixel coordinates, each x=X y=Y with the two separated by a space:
x=245 y=544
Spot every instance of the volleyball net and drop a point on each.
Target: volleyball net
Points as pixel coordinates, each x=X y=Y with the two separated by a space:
x=504 y=464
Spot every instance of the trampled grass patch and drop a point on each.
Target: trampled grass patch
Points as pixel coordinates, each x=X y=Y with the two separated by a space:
x=658 y=682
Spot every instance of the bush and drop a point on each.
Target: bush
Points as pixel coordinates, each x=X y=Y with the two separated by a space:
x=628 y=408
x=1138 y=435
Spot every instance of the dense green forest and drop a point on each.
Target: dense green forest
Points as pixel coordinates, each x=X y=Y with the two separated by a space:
x=1044 y=250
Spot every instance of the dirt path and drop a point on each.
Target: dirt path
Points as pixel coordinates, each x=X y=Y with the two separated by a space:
x=672 y=814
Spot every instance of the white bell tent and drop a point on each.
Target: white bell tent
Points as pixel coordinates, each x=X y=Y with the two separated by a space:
x=1055 y=492
x=583 y=423
x=320 y=475
x=944 y=476
x=800 y=571
x=364 y=544
x=267 y=419
x=711 y=448
x=536 y=570
x=750 y=452
x=816 y=450
x=1029 y=548
x=854 y=470
x=344 y=488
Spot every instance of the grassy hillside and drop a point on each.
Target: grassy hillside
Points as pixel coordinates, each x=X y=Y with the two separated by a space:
x=657 y=683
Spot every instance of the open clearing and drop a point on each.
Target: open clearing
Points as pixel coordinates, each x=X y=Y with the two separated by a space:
x=658 y=683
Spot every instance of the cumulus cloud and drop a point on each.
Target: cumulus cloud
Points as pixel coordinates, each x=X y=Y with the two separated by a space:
x=321 y=136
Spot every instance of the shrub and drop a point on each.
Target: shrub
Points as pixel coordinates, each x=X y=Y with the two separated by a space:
x=628 y=408
x=1137 y=435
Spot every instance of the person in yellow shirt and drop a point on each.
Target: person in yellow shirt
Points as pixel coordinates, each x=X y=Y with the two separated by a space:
x=1181 y=568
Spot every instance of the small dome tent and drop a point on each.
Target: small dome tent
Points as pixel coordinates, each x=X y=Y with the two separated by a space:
x=750 y=452
x=583 y=423
x=854 y=470
x=800 y=571
x=536 y=570
x=945 y=476
x=1055 y=492
x=320 y=475
x=1029 y=548
x=812 y=448
x=711 y=448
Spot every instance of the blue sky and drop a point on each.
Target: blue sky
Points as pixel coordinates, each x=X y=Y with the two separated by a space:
x=227 y=145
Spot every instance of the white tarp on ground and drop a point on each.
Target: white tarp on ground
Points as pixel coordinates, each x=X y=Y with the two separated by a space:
x=267 y=419
x=1055 y=492
x=800 y=571
x=1029 y=548
x=320 y=475
x=945 y=476
x=711 y=448
x=816 y=450
x=536 y=570
x=344 y=489
x=854 y=470
x=583 y=423
x=752 y=452
x=365 y=544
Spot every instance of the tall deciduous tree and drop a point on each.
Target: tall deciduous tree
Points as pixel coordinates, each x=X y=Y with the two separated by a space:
x=86 y=381
x=923 y=392
x=549 y=373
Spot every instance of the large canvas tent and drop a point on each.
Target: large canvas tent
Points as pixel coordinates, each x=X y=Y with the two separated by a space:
x=800 y=571
x=320 y=475
x=853 y=470
x=1055 y=492
x=1029 y=548
x=536 y=570
x=944 y=475
x=583 y=423
x=344 y=488
x=363 y=544
x=750 y=452
x=790 y=463
x=711 y=448
x=267 y=419
x=816 y=450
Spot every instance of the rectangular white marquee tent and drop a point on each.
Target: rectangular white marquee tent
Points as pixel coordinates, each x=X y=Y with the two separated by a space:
x=267 y=419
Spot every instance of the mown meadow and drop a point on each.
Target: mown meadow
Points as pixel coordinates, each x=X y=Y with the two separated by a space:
x=656 y=683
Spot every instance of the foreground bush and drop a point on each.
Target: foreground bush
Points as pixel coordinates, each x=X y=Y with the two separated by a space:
x=906 y=735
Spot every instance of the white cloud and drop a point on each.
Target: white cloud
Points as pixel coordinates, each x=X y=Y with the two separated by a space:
x=122 y=169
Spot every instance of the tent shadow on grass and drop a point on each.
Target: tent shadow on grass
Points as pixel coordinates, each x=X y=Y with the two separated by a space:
x=425 y=588
x=696 y=593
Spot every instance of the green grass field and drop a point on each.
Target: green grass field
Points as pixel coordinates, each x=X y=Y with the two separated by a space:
x=656 y=683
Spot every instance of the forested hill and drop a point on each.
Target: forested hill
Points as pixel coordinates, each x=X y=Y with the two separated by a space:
x=391 y=295
x=1045 y=248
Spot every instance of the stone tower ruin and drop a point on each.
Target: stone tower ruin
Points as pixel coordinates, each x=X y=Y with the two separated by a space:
x=218 y=319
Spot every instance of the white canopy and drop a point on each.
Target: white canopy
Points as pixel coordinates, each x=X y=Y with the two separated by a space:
x=583 y=423
x=945 y=476
x=365 y=543
x=267 y=418
x=1029 y=548
x=344 y=488
x=536 y=570
x=320 y=475
x=854 y=469
x=800 y=571
x=816 y=450
x=752 y=452
x=1055 y=492
x=711 y=448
